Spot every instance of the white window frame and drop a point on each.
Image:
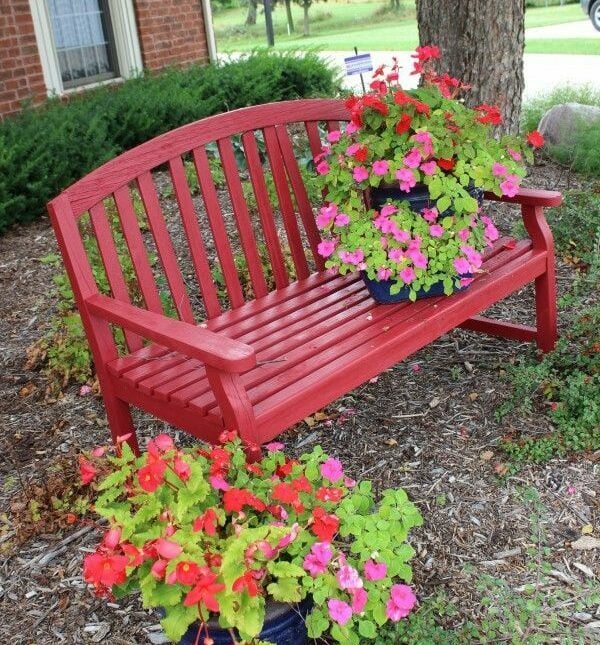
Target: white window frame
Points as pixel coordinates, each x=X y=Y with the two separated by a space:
x=127 y=44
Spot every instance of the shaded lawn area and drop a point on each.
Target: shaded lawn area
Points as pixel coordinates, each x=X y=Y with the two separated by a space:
x=341 y=25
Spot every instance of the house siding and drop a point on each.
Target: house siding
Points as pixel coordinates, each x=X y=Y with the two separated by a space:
x=171 y=33
x=21 y=75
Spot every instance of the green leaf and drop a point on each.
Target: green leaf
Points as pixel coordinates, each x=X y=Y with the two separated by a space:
x=165 y=595
x=177 y=620
x=317 y=623
x=286 y=590
x=443 y=203
x=367 y=629
x=285 y=569
x=115 y=479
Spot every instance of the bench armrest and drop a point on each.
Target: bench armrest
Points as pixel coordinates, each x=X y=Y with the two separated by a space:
x=213 y=349
x=530 y=197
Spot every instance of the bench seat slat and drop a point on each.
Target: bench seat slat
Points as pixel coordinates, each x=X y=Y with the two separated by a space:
x=332 y=334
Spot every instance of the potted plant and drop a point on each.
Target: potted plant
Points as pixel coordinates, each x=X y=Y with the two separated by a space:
x=404 y=182
x=232 y=551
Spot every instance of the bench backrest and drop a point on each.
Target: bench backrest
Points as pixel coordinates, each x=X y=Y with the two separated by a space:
x=116 y=213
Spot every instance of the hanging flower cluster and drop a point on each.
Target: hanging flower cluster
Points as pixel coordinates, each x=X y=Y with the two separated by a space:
x=423 y=142
x=202 y=532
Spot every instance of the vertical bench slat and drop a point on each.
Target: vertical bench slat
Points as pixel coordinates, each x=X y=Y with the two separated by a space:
x=304 y=206
x=194 y=238
x=215 y=218
x=137 y=249
x=112 y=265
x=242 y=217
x=285 y=203
x=265 y=210
x=314 y=138
x=333 y=125
x=164 y=246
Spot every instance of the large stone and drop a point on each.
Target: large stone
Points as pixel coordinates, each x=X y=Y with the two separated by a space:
x=559 y=123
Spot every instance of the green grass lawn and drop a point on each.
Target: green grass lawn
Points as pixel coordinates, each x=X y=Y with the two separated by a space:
x=369 y=25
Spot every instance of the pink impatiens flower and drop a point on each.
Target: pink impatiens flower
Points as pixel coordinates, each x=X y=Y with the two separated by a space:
x=334 y=136
x=413 y=158
x=498 y=169
x=274 y=446
x=430 y=214
x=435 y=230
x=380 y=168
x=402 y=600
x=375 y=571
x=510 y=186
x=383 y=273
x=326 y=247
x=429 y=167
x=348 y=578
x=396 y=255
x=514 y=154
x=326 y=215
x=462 y=265
x=406 y=178
x=339 y=611
x=317 y=560
x=407 y=275
x=332 y=469
x=218 y=483
x=351 y=128
x=352 y=149
x=424 y=138
x=360 y=173
x=323 y=168
x=387 y=210
x=359 y=600
x=341 y=220
x=463 y=234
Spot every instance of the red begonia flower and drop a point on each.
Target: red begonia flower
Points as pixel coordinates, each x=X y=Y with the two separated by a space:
x=187 y=572
x=206 y=522
x=247 y=582
x=204 y=591
x=87 y=471
x=325 y=525
x=104 y=570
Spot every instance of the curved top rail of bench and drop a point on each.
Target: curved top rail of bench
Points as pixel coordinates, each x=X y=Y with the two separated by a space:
x=117 y=172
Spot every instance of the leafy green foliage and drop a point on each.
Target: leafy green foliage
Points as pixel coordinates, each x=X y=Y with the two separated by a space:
x=565 y=384
x=44 y=150
x=202 y=532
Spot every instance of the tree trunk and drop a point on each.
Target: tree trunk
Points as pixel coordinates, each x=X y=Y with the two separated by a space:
x=288 y=13
x=251 y=16
x=306 y=7
x=482 y=44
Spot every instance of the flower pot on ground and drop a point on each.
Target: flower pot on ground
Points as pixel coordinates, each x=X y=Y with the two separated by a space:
x=206 y=536
x=423 y=139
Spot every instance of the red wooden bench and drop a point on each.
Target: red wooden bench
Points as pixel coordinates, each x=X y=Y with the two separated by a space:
x=258 y=365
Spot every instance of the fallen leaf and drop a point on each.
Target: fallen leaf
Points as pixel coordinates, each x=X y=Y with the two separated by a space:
x=587 y=529
x=486 y=455
x=374 y=379
x=27 y=389
x=586 y=543
x=500 y=469
x=310 y=422
x=473 y=396
x=584 y=569
x=434 y=402
x=390 y=442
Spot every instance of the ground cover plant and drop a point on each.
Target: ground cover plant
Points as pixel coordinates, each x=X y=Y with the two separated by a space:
x=565 y=383
x=44 y=150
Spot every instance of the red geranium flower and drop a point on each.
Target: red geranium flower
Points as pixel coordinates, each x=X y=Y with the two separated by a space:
x=403 y=124
x=325 y=525
x=535 y=139
x=375 y=103
x=187 y=572
x=235 y=499
x=248 y=582
x=361 y=154
x=206 y=522
x=104 y=570
x=301 y=484
x=489 y=114
x=379 y=86
x=446 y=164
x=87 y=471
x=325 y=494
x=204 y=591
x=284 y=493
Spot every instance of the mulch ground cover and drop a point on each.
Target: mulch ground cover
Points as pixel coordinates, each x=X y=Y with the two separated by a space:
x=427 y=425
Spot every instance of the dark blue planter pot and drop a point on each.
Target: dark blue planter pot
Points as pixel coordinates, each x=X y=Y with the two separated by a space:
x=418 y=199
x=284 y=625
x=380 y=290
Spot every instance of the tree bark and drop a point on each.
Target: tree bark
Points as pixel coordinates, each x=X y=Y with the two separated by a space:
x=251 y=15
x=306 y=7
x=482 y=44
x=288 y=13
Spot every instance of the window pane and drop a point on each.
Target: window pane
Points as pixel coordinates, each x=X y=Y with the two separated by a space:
x=82 y=36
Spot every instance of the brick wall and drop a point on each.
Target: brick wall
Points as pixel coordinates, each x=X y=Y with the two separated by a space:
x=21 y=76
x=171 y=32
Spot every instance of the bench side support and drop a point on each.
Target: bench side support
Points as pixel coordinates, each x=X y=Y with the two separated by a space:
x=236 y=408
x=545 y=284
x=98 y=332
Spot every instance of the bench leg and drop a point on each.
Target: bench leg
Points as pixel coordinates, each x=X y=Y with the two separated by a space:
x=545 y=309
x=119 y=420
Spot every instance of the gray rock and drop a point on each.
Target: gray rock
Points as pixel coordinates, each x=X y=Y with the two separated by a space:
x=559 y=123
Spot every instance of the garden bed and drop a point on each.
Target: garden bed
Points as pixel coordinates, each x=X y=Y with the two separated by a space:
x=427 y=425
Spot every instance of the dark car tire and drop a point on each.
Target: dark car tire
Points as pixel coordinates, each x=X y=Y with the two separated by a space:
x=595 y=14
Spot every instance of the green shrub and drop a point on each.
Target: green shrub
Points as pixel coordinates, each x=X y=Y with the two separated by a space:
x=44 y=150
